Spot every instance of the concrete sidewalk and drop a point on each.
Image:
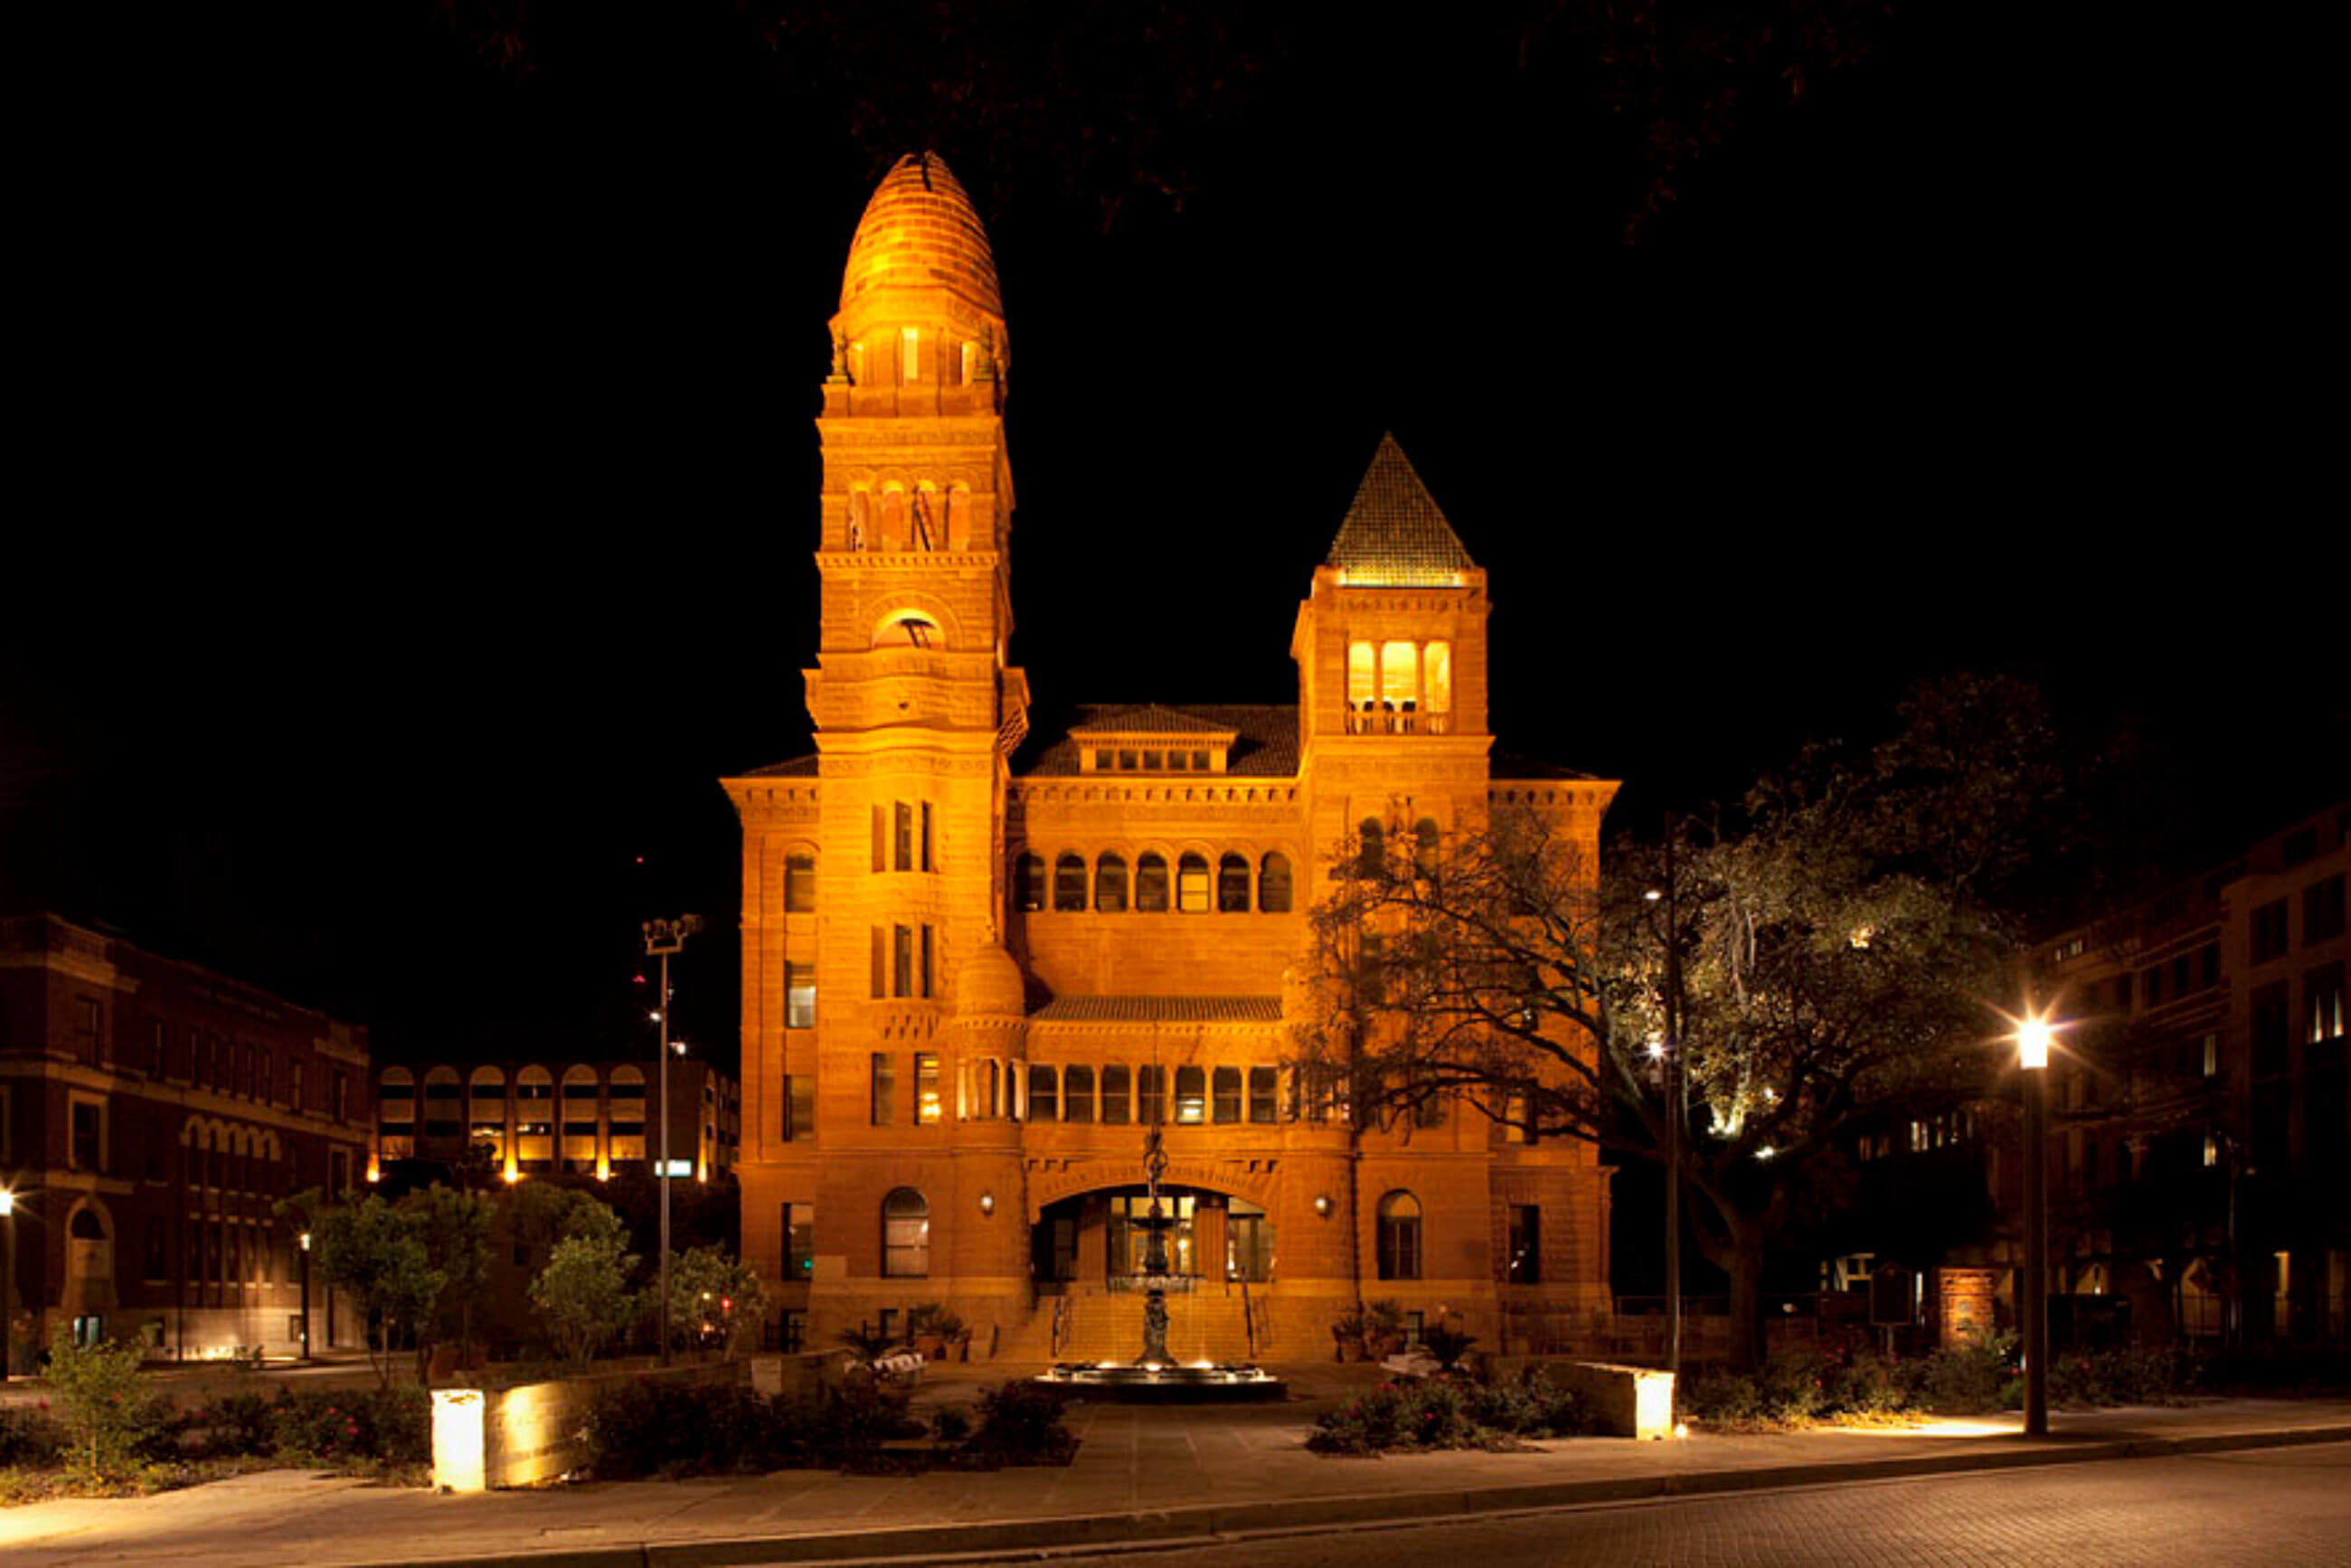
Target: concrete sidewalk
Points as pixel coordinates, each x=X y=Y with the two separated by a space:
x=1141 y=1475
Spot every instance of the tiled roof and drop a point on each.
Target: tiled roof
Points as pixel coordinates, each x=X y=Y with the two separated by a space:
x=1394 y=534
x=790 y=768
x=1160 y=1009
x=919 y=230
x=1266 y=743
x=1503 y=765
x=1150 y=719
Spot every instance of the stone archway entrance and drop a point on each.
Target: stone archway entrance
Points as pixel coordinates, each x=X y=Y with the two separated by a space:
x=1093 y=1243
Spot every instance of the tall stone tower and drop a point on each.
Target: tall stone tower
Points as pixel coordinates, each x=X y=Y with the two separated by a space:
x=875 y=887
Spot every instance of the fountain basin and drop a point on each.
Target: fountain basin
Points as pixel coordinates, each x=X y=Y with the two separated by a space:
x=1163 y=1382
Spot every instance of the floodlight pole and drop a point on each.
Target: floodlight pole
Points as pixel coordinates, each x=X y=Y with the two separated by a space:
x=7 y=1284
x=663 y=937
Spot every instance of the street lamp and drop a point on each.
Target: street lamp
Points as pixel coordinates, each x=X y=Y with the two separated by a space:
x=1668 y=1053
x=2033 y=1036
x=7 y=1284
x=305 y=1240
x=663 y=937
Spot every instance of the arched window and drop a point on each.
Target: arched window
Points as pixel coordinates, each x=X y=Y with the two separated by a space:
x=1078 y=1094
x=1399 y=680
x=1110 y=884
x=1362 y=678
x=861 y=520
x=87 y=1226
x=799 y=883
x=1192 y=884
x=1151 y=884
x=1371 y=850
x=1273 y=884
x=581 y=1091
x=1232 y=884
x=485 y=1116
x=959 y=519
x=908 y=628
x=1424 y=847
x=1437 y=678
x=905 y=1235
x=1191 y=1095
x=894 y=519
x=1044 y=1093
x=1399 y=1236
x=1028 y=883
x=1070 y=884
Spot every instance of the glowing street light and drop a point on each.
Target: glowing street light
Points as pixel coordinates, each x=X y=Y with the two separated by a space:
x=7 y=1281
x=305 y=1240
x=2033 y=1038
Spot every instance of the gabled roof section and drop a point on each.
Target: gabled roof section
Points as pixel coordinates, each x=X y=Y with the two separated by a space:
x=1394 y=534
x=1265 y=737
x=1148 y=719
x=790 y=768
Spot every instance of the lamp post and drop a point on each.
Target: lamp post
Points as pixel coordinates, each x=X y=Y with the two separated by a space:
x=1669 y=1062
x=305 y=1240
x=663 y=937
x=7 y=1284
x=2032 y=1055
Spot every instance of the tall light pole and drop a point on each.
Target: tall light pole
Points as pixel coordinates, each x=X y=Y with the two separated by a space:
x=1669 y=1061
x=7 y=1284
x=305 y=1240
x=2033 y=1056
x=663 y=937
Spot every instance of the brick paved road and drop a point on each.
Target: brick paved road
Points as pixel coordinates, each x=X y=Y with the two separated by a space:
x=2278 y=1508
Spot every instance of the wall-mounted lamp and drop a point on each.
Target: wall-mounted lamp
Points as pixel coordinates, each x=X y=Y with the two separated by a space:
x=987 y=1203
x=1322 y=1204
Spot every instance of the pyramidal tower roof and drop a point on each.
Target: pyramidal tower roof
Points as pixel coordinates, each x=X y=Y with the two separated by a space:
x=1394 y=534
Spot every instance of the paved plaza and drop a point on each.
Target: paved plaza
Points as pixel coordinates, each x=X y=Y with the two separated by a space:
x=1141 y=1475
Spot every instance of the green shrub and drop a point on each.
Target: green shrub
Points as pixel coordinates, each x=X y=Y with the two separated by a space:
x=30 y=1436
x=237 y=1426
x=104 y=1404
x=1791 y=1387
x=1369 y=1423
x=1020 y=1424
x=1558 y=1410
x=339 y=1426
x=1968 y=1379
x=1721 y=1395
x=1861 y=1382
x=951 y=1423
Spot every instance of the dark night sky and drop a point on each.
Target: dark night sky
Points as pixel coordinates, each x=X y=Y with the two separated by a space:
x=440 y=486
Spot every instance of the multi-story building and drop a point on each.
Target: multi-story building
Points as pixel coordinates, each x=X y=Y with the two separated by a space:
x=151 y=1115
x=2202 y=1107
x=524 y=1119
x=2199 y=1108
x=978 y=964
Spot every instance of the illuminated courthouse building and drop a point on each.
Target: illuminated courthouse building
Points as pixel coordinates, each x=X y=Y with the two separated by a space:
x=977 y=964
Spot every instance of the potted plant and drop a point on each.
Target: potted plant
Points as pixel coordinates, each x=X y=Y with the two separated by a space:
x=1383 y=1328
x=1347 y=1334
x=934 y=1326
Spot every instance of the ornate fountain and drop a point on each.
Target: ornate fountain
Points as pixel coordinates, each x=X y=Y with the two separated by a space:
x=1154 y=1376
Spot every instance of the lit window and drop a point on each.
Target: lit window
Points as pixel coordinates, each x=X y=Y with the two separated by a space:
x=1437 y=678
x=1399 y=678
x=1191 y=1095
x=909 y=354
x=1363 y=677
x=1192 y=884
x=799 y=996
x=927 y=1088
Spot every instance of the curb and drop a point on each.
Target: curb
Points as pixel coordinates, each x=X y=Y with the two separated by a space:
x=1030 y=1537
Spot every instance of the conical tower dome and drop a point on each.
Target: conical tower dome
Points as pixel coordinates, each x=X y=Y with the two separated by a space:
x=920 y=257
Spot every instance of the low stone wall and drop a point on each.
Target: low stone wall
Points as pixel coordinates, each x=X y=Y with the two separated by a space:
x=1624 y=1401
x=800 y=1376
x=532 y=1432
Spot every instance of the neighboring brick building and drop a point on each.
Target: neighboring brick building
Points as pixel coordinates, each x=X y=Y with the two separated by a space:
x=973 y=969
x=527 y=1119
x=152 y=1113
x=2200 y=1113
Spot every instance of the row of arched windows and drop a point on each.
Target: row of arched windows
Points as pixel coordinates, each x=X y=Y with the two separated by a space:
x=922 y=519
x=1233 y=886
